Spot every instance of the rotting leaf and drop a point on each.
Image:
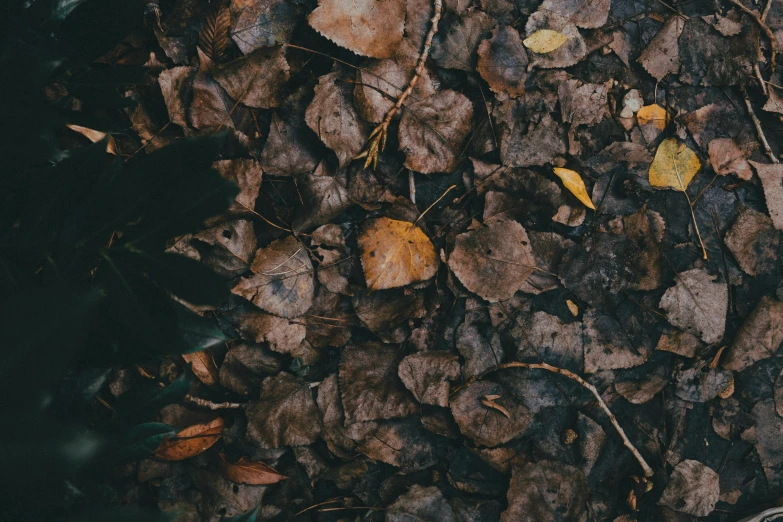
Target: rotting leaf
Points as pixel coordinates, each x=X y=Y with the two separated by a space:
x=546 y=491
x=758 y=338
x=697 y=304
x=247 y=471
x=213 y=35
x=674 y=166
x=573 y=182
x=263 y=23
x=427 y=375
x=255 y=80
x=662 y=56
x=545 y=41
x=203 y=366
x=503 y=62
x=587 y=14
x=395 y=253
x=693 y=488
x=191 y=441
x=754 y=242
x=366 y=27
x=487 y=427
x=455 y=46
x=771 y=176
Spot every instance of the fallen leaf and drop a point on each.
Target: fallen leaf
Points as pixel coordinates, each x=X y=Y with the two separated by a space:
x=487 y=427
x=191 y=441
x=674 y=166
x=432 y=131
x=503 y=62
x=569 y=53
x=546 y=491
x=610 y=345
x=697 y=304
x=456 y=44
x=535 y=144
x=247 y=471
x=701 y=384
x=283 y=281
x=213 y=35
x=401 y=443
x=654 y=114
x=545 y=41
x=329 y=321
x=582 y=103
x=573 y=182
x=176 y=85
x=587 y=14
x=288 y=151
x=662 y=55
x=726 y=157
x=771 y=176
x=247 y=174
x=203 y=366
x=544 y=337
x=693 y=488
x=244 y=367
x=324 y=197
x=263 y=23
x=493 y=261
x=711 y=59
x=366 y=27
x=395 y=253
x=257 y=79
x=758 y=338
x=421 y=503
x=95 y=136
x=754 y=242
x=381 y=82
x=427 y=375
x=476 y=340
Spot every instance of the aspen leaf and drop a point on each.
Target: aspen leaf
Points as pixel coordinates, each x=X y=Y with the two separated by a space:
x=573 y=182
x=395 y=253
x=191 y=441
x=366 y=27
x=674 y=166
x=203 y=366
x=545 y=41
x=248 y=472
x=653 y=113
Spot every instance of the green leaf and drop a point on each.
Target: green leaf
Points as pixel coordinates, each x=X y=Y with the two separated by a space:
x=198 y=333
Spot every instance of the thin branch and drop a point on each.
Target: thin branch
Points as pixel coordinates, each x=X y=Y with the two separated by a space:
x=767 y=31
x=648 y=472
x=203 y=403
x=412 y=186
x=759 y=130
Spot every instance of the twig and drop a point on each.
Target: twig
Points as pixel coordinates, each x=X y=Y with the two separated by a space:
x=767 y=31
x=757 y=124
x=198 y=401
x=377 y=140
x=412 y=186
x=648 y=472
x=765 y=12
x=762 y=81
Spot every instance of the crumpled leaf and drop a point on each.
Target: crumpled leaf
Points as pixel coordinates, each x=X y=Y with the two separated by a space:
x=395 y=253
x=381 y=82
x=587 y=14
x=255 y=80
x=191 y=441
x=674 y=166
x=433 y=130
x=758 y=338
x=573 y=182
x=693 y=488
x=546 y=491
x=662 y=55
x=427 y=375
x=754 y=242
x=493 y=261
x=332 y=117
x=697 y=304
x=287 y=151
x=726 y=157
x=487 y=427
x=371 y=389
x=324 y=198
x=544 y=41
x=263 y=23
x=420 y=503
x=771 y=175
x=284 y=415
x=503 y=62
x=366 y=27
x=203 y=366
x=282 y=282
x=455 y=46
x=582 y=103
x=247 y=471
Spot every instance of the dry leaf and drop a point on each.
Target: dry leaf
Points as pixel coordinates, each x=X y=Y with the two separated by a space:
x=503 y=62
x=693 y=488
x=573 y=182
x=395 y=253
x=771 y=176
x=287 y=151
x=191 y=441
x=366 y=27
x=488 y=427
x=213 y=36
x=758 y=338
x=654 y=114
x=427 y=375
x=380 y=82
x=546 y=491
x=662 y=56
x=697 y=305
x=95 y=136
x=455 y=46
x=726 y=157
x=203 y=366
x=587 y=14
x=176 y=85
x=674 y=166
x=247 y=471
x=754 y=242
x=255 y=80
x=545 y=41
x=263 y=23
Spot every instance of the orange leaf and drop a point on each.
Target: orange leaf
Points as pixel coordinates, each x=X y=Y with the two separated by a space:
x=203 y=366
x=191 y=441
x=249 y=472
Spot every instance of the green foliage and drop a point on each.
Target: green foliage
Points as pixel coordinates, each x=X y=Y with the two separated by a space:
x=84 y=279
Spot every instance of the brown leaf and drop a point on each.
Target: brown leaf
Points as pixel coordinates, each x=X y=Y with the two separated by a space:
x=243 y=367
x=324 y=198
x=282 y=282
x=493 y=261
x=567 y=54
x=535 y=144
x=247 y=174
x=386 y=312
x=263 y=23
x=257 y=79
x=608 y=345
x=401 y=443
x=758 y=338
x=282 y=335
x=213 y=35
x=366 y=27
x=247 y=471
x=455 y=45
x=711 y=59
x=211 y=108
x=433 y=130
x=697 y=305
x=587 y=14
x=427 y=375
x=503 y=62
x=330 y=320
x=191 y=441
x=203 y=366
x=754 y=242
x=336 y=261
x=582 y=104
x=395 y=253
x=176 y=85
x=546 y=491
x=544 y=337
x=771 y=176
x=662 y=55
x=380 y=83
x=332 y=117
x=727 y=158
x=421 y=503
x=693 y=488
x=476 y=340
x=487 y=427
x=287 y=151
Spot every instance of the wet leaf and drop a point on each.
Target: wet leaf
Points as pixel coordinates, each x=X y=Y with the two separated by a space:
x=697 y=304
x=191 y=441
x=255 y=80
x=758 y=338
x=395 y=253
x=573 y=182
x=654 y=114
x=545 y=41
x=203 y=366
x=662 y=56
x=366 y=27
x=693 y=488
x=674 y=166
x=246 y=471
x=503 y=62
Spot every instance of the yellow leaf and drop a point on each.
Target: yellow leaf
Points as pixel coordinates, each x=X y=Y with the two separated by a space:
x=573 y=182
x=653 y=113
x=545 y=41
x=395 y=253
x=674 y=166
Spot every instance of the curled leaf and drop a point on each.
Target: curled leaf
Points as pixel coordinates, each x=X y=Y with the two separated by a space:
x=674 y=166
x=573 y=182
x=95 y=136
x=248 y=472
x=545 y=41
x=203 y=366
x=191 y=441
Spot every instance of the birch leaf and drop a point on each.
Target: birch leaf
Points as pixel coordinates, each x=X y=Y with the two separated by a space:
x=545 y=41
x=573 y=182
x=674 y=166
x=654 y=114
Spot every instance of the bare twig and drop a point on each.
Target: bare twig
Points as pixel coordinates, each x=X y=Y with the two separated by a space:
x=761 y=80
x=765 y=12
x=203 y=403
x=648 y=472
x=767 y=31
x=412 y=186
x=377 y=139
x=759 y=130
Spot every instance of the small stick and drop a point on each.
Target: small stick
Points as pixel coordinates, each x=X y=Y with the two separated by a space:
x=412 y=186
x=767 y=31
x=377 y=139
x=198 y=401
x=762 y=82
x=648 y=472
x=757 y=124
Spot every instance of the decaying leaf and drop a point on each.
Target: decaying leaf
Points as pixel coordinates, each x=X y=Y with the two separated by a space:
x=754 y=242
x=771 y=176
x=263 y=23
x=662 y=56
x=503 y=62
x=674 y=166
x=247 y=471
x=759 y=337
x=282 y=281
x=569 y=52
x=255 y=80
x=395 y=253
x=203 y=366
x=546 y=491
x=287 y=151
x=697 y=304
x=421 y=503
x=366 y=27
x=573 y=182
x=213 y=35
x=487 y=427
x=191 y=441
x=493 y=261
x=693 y=488
x=455 y=46
x=545 y=41
x=587 y=14
x=427 y=376
x=726 y=157
x=379 y=83
x=653 y=114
